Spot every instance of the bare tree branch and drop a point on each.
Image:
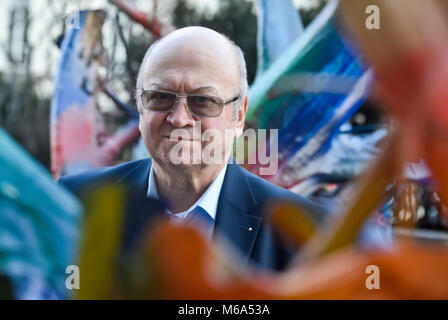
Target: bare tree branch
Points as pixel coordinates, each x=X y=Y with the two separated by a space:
x=130 y=69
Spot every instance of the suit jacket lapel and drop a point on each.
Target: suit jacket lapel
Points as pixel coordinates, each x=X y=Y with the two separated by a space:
x=235 y=204
x=140 y=211
x=138 y=177
x=137 y=181
x=233 y=218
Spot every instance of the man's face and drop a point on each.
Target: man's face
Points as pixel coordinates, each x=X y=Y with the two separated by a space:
x=190 y=67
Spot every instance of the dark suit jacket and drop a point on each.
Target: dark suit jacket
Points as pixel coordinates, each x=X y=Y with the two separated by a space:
x=240 y=207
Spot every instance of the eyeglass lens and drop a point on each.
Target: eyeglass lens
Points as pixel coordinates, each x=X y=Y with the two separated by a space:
x=200 y=105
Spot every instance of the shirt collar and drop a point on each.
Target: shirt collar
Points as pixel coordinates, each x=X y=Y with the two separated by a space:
x=208 y=200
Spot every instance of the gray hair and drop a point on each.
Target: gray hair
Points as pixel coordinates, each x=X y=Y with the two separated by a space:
x=243 y=85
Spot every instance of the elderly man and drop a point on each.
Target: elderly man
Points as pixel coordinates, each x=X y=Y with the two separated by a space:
x=194 y=80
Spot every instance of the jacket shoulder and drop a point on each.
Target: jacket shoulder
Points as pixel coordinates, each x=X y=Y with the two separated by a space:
x=76 y=183
x=265 y=191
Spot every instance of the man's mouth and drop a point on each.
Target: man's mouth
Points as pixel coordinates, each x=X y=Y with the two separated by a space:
x=177 y=138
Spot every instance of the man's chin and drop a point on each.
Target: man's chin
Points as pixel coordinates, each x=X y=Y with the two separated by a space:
x=170 y=159
x=186 y=165
x=190 y=162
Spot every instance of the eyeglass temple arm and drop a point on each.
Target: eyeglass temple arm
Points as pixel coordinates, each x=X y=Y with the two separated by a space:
x=232 y=100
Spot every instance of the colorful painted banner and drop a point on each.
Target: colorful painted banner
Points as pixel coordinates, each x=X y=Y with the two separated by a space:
x=79 y=140
x=315 y=86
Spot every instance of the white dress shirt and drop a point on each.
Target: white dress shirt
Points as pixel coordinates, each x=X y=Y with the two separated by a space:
x=208 y=200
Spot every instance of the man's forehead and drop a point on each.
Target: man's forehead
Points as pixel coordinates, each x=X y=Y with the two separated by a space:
x=188 y=50
x=201 y=47
x=173 y=68
x=196 y=38
x=191 y=80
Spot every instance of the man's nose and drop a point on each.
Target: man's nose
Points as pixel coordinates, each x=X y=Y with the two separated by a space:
x=179 y=115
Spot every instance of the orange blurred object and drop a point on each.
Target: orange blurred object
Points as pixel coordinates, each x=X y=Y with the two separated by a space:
x=412 y=73
x=187 y=267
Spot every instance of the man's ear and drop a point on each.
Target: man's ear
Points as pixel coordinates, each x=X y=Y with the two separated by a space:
x=140 y=123
x=241 y=117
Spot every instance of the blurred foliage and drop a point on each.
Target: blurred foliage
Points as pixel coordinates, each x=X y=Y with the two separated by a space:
x=25 y=116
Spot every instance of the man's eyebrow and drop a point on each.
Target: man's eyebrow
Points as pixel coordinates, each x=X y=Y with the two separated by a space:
x=159 y=86
x=205 y=88
x=168 y=88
